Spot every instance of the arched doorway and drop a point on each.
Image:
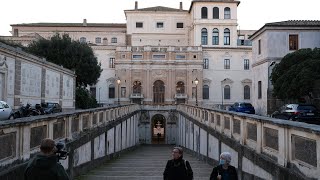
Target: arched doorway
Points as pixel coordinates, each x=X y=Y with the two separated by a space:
x=136 y=92
x=158 y=92
x=158 y=129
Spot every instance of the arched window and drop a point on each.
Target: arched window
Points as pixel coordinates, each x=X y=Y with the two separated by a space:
x=204 y=36
x=114 y=40
x=215 y=13
x=98 y=40
x=180 y=87
x=215 y=36
x=158 y=92
x=227 y=13
x=137 y=87
x=111 y=91
x=246 y=91
x=204 y=13
x=227 y=92
x=83 y=40
x=226 y=36
x=205 y=93
x=105 y=41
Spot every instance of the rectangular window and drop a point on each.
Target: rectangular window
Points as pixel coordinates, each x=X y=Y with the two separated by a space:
x=180 y=56
x=179 y=25
x=259 y=90
x=137 y=56
x=98 y=40
x=259 y=46
x=293 y=42
x=246 y=64
x=227 y=64
x=159 y=56
x=205 y=63
x=159 y=24
x=139 y=25
x=123 y=92
x=111 y=92
x=111 y=63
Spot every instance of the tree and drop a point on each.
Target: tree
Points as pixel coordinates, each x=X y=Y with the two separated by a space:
x=294 y=77
x=84 y=100
x=70 y=54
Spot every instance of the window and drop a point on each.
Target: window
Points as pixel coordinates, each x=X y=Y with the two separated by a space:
x=215 y=36
x=246 y=64
x=111 y=63
x=205 y=93
x=123 y=56
x=179 y=25
x=246 y=92
x=159 y=24
x=114 y=40
x=83 y=40
x=205 y=63
x=137 y=87
x=215 y=13
x=259 y=46
x=98 y=40
x=204 y=36
x=123 y=92
x=227 y=13
x=227 y=64
x=111 y=91
x=180 y=56
x=293 y=42
x=159 y=56
x=137 y=56
x=226 y=92
x=204 y=13
x=180 y=87
x=139 y=25
x=105 y=41
x=259 y=90
x=226 y=36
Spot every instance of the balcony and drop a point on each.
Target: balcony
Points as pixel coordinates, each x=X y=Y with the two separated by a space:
x=136 y=96
x=180 y=96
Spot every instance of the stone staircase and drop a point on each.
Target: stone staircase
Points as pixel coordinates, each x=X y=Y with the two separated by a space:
x=145 y=163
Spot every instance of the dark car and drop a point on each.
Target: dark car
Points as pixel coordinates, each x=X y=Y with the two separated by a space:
x=242 y=107
x=50 y=108
x=298 y=112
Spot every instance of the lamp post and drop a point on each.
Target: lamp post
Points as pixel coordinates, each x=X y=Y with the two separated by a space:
x=118 y=82
x=196 y=81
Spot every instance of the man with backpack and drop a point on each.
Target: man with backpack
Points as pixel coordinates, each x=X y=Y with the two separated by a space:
x=177 y=168
x=45 y=165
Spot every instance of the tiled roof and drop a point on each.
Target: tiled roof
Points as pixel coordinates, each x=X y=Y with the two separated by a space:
x=295 y=23
x=111 y=25
x=158 y=8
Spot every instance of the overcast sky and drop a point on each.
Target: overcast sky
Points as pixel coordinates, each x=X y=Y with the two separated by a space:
x=252 y=14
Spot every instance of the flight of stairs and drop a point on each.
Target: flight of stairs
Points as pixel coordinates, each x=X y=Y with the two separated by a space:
x=145 y=163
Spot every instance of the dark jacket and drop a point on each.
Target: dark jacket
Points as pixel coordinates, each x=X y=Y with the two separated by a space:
x=231 y=171
x=178 y=170
x=44 y=167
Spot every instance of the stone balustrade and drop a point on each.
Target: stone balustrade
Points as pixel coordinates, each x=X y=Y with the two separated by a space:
x=295 y=146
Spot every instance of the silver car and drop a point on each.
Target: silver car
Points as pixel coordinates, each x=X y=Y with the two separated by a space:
x=5 y=111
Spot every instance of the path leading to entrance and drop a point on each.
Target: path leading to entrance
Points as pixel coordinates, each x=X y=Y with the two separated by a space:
x=145 y=163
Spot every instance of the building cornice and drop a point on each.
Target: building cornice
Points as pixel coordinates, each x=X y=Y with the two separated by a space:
x=265 y=60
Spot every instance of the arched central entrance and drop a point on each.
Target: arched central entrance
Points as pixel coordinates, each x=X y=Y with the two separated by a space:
x=158 y=129
x=158 y=92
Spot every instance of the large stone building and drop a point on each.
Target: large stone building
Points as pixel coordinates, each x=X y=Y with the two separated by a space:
x=160 y=52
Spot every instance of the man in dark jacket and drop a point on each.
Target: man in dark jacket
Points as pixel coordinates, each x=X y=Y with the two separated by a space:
x=224 y=171
x=177 y=168
x=45 y=166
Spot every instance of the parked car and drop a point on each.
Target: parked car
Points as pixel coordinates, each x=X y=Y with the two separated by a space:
x=242 y=107
x=5 y=111
x=50 y=108
x=298 y=112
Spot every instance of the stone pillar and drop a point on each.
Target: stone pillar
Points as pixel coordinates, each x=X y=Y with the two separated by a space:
x=43 y=84
x=17 y=83
x=61 y=90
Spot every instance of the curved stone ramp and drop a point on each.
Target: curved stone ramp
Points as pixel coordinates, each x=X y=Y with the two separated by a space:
x=144 y=163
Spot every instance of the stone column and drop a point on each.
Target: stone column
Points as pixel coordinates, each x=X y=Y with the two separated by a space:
x=17 y=83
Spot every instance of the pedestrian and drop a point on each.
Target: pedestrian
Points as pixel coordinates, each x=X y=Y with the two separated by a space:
x=224 y=171
x=45 y=165
x=177 y=168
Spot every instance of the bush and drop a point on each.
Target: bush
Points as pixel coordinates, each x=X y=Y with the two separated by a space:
x=84 y=100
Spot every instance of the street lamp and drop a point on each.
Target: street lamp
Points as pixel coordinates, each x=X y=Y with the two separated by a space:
x=118 y=82
x=196 y=81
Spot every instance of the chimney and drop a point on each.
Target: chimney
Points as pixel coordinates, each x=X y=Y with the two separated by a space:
x=136 y=5
x=84 y=22
x=181 y=8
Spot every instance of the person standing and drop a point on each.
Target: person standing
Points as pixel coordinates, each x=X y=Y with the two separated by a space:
x=177 y=168
x=224 y=171
x=45 y=165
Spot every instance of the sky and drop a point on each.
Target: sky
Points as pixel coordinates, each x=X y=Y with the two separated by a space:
x=252 y=14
